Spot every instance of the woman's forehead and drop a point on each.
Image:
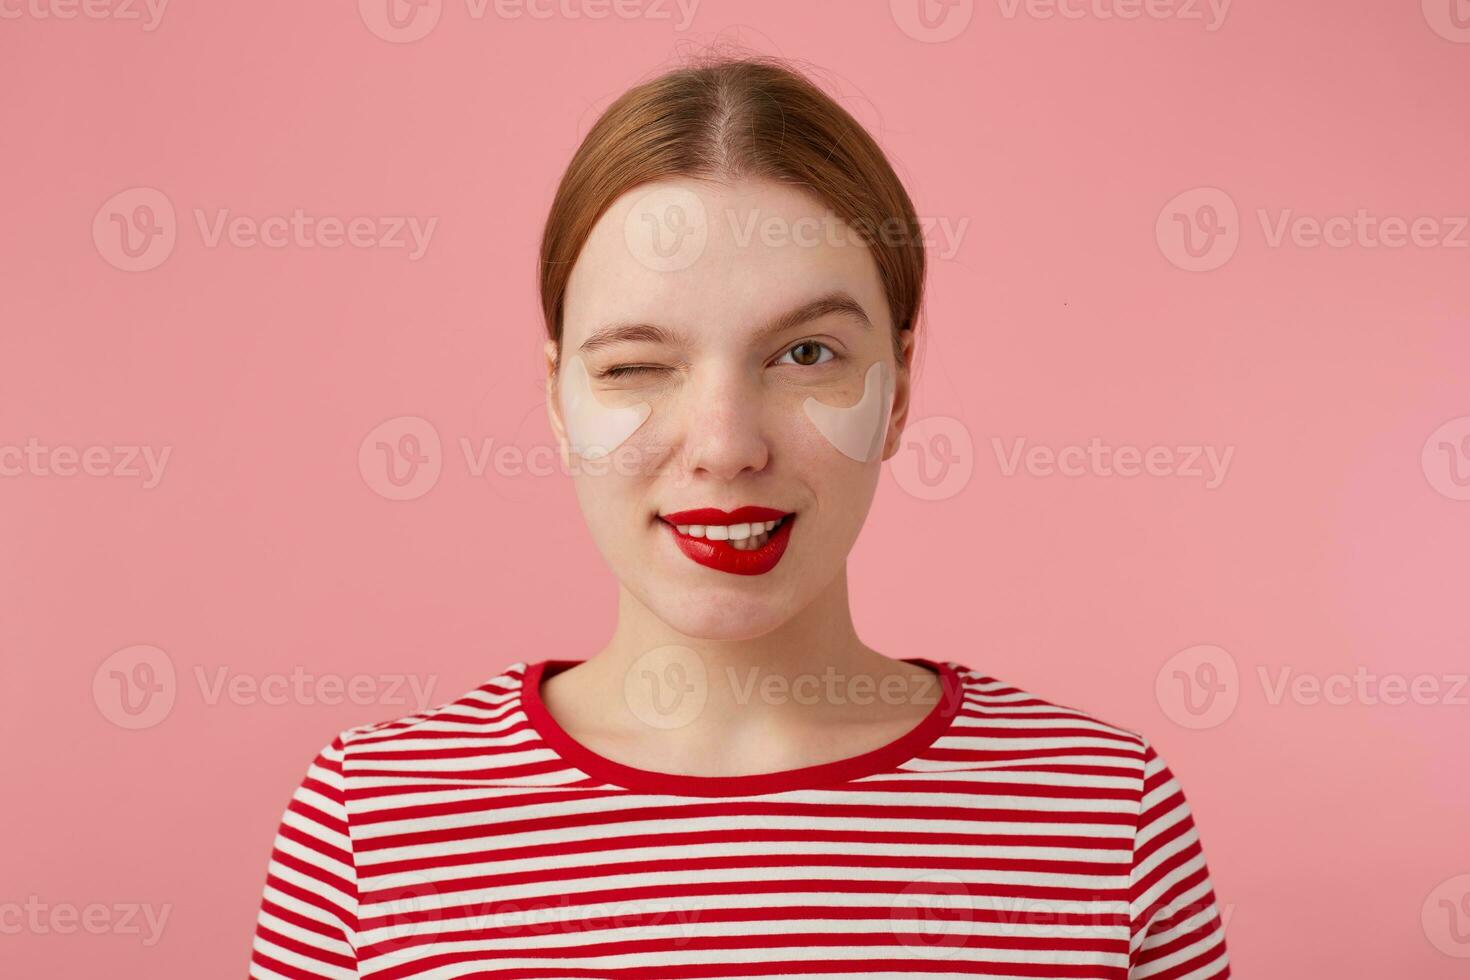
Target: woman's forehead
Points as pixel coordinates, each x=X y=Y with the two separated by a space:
x=702 y=256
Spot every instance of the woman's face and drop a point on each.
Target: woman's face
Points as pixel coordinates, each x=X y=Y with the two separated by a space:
x=685 y=310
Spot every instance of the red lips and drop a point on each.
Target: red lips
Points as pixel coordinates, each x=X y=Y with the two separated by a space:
x=720 y=555
x=713 y=515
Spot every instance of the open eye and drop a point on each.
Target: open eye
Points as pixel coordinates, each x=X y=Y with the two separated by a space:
x=808 y=353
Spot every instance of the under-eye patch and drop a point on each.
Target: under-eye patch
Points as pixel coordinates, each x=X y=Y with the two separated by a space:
x=857 y=430
x=594 y=429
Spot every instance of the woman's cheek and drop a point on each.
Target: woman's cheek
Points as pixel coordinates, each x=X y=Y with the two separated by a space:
x=647 y=452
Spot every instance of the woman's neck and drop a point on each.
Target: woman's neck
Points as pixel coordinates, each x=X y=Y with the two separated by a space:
x=684 y=704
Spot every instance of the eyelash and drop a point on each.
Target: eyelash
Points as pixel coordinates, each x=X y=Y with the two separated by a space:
x=630 y=370
x=627 y=370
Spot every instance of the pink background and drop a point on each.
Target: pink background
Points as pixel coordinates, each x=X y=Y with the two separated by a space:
x=1336 y=542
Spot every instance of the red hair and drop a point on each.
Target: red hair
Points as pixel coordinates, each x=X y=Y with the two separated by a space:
x=726 y=119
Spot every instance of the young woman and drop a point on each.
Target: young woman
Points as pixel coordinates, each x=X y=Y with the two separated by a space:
x=735 y=785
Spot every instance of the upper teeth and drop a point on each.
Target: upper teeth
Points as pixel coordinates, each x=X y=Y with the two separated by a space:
x=726 y=532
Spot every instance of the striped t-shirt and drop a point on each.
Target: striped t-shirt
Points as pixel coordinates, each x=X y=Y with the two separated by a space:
x=1003 y=836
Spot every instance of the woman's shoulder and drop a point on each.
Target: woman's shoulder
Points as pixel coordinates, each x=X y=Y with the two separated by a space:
x=1002 y=720
x=484 y=711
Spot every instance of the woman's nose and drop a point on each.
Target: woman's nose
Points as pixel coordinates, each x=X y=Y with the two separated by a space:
x=721 y=426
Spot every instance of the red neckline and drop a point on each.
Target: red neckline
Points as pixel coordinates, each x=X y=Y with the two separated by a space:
x=882 y=759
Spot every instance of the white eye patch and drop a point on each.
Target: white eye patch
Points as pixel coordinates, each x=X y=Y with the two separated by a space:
x=857 y=430
x=594 y=429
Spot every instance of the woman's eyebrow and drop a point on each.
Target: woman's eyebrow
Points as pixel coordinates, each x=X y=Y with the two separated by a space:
x=837 y=302
x=628 y=333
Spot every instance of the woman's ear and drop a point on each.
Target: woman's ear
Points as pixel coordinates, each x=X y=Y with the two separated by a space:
x=553 y=403
x=898 y=418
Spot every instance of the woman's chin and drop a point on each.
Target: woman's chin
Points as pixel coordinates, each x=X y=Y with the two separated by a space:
x=722 y=617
